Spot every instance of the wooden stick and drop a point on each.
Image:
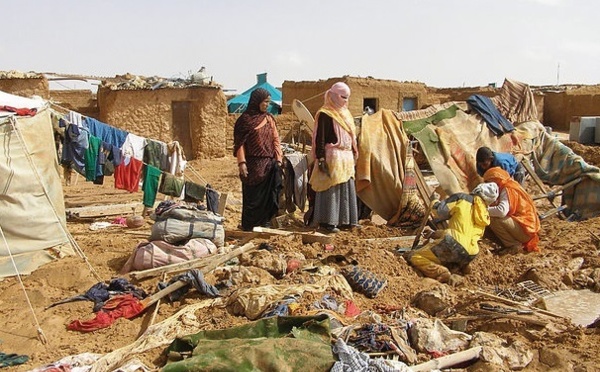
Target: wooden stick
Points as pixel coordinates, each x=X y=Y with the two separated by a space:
x=423 y=223
x=554 y=193
x=515 y=303
x=164 y=277
x=203 y=262
x=449 y=360
x=536 y=179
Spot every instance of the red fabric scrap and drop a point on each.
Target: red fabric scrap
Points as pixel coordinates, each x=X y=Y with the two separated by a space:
x=123 y=306
x=19 y=111
x=351 y=309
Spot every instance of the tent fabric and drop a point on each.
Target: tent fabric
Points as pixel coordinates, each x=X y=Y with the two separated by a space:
x=557 y=164
x=238 y=104
x=32 y=212
x=380 y=166
x=515 y=102
x=449 y=136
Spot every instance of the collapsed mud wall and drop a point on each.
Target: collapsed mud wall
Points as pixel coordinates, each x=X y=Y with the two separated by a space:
x=26 y=87
x=196 y=117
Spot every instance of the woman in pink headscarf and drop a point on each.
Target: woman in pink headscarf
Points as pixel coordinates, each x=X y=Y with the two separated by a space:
x=335 y=152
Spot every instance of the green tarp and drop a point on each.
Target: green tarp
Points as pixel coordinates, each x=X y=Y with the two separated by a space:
x=270 y=344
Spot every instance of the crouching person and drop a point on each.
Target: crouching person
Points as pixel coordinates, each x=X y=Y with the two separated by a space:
x=456 y=246
x=514 y=218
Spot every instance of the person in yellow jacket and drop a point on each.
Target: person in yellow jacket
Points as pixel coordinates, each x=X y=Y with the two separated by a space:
x=456 y=246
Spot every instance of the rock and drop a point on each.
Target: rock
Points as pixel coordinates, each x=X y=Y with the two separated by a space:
x=495 y=350
x=568 y=278
x=456 y=280
x=427 y=336
x=432 y=301
x=552 y=358
x=575 y=264
x=134 y=221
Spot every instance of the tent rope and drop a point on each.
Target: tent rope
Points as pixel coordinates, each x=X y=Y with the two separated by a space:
x=68 y=235
x=40 y=332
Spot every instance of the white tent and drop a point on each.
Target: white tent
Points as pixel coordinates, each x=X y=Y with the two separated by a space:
x=32 y=212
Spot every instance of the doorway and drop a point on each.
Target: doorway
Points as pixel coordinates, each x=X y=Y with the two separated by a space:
x=181 y=126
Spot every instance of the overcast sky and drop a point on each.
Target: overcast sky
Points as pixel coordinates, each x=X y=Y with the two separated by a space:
x=442 y=43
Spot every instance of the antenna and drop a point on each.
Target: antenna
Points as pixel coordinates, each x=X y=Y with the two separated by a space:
x=558 y=73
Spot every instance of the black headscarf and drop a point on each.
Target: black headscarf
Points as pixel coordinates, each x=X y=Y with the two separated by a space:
x=250 y=118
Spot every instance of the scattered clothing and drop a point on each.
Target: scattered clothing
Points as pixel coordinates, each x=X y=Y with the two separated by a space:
x=100 y=292
x=193 y=278
x=122 y=306
x=7 y=360
x=352 y=360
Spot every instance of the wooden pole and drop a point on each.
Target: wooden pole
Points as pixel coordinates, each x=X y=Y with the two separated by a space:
x=204 y=263
x=449 y=360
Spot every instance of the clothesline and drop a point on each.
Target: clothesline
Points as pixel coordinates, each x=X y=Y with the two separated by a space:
x=173 y=178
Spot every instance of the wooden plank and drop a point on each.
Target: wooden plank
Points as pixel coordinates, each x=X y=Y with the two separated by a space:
x=104 y=210
x=393 y=239
x=316 y=237
x=267 y=230
x=222 y=203
x=449 y=360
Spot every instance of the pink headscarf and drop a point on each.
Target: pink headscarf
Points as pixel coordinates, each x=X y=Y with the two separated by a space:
x=339 y=93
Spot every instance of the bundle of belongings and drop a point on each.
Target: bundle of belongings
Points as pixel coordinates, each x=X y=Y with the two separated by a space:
x=182 y=232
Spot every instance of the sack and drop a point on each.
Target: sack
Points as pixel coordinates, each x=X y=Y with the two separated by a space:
x=175 y=231
x=185 y=214
x=148 y=255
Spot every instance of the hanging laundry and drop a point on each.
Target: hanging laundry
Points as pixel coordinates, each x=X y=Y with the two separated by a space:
x=74 y=118
x=177 y=161
x=150 y=185
x=171 y=185
x=91 y=158
x=156 y=154
x=105 y=132
x=74 y=147
x=212 y=199
x=134 y=146
x=127 y=174
x=194 y=192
